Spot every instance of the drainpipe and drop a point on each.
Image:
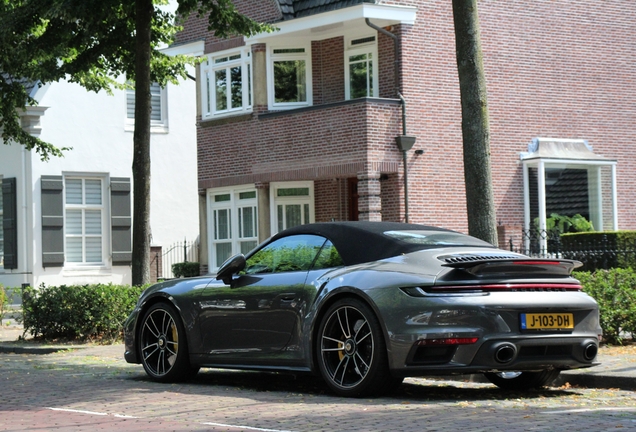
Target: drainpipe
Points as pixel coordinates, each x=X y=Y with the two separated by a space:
x=404 y=142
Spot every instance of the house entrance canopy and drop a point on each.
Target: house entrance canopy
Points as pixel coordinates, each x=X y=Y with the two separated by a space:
x=566 y=177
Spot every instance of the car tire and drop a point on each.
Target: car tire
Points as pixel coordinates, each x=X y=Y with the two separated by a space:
x=162 y=345
x=351 y=351
x=522 y=380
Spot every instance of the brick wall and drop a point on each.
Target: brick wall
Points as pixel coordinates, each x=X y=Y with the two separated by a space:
x=156 y=263
x=554 y=69
x=328 y=70
x=195 y=27
x=331 y=198
x=333 y=141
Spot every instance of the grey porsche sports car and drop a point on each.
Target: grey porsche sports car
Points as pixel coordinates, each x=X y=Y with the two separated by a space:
x=365 y=304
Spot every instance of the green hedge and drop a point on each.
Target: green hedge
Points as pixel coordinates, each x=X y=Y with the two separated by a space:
x=615 y=292
x=186 y=269
x=78 y=312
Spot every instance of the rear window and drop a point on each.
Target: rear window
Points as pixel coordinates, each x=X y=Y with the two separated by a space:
x=436 y=238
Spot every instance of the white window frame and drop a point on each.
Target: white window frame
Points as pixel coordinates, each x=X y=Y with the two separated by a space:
x=356 y=46
x=225 y=60
x=158 y=96
x=275 y=201
x=104 y=219
x=274 y=54
x=234 y=205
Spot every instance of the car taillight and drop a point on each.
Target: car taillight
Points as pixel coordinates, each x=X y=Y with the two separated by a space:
x=485 y=289
x=509 y=287
x=447 y=341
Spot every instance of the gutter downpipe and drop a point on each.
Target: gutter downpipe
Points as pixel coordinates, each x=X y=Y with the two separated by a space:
x=396 y=73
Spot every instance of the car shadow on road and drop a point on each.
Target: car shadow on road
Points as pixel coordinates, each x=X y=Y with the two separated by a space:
x=412 y=389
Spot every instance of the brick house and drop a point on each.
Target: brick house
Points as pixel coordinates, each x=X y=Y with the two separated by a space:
x=304 y=124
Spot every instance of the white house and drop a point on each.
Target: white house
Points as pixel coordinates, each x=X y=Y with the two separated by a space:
x=68 y=220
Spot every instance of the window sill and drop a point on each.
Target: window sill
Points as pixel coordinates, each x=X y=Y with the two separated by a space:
x=86 y=271
x=225 y=119
x=154 y=129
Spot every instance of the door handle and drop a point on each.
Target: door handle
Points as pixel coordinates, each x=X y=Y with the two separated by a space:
x=287 y=296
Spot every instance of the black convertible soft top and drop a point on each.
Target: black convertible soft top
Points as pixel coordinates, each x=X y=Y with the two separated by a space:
x=360 y=242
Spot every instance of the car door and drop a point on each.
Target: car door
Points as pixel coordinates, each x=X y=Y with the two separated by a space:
x=258 y=313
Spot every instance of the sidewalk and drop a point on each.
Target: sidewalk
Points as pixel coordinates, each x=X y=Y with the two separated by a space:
x=617 y=368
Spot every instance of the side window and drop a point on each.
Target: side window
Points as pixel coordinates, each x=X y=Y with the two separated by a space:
x=226 y=83
x=361 y=79
x=292 y=204
x=158 y=113
x=233 y=223
x=290 y=77
x=84 y=220
x=293 y=253
x=328 y=257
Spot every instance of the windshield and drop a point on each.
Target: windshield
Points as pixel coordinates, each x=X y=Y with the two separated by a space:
x=436 y=238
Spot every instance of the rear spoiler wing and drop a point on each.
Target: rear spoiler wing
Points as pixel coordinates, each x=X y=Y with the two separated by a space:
x=517 y=267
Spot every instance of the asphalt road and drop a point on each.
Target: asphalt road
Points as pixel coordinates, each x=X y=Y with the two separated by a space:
x=94 y=389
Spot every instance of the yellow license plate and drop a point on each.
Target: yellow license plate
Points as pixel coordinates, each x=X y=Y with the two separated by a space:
x=547 y=321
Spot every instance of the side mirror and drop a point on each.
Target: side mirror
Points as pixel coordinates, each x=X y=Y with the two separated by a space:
x=230 y=267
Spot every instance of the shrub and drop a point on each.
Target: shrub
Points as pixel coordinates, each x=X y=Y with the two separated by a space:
x=78 y=312
x=3 y=300
x=615 y=292
x=186 y=269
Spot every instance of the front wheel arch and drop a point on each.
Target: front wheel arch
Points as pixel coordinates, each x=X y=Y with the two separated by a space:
x=168 y=323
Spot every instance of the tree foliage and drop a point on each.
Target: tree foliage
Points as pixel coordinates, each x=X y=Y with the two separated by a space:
x=91 y=43
x=94 y=43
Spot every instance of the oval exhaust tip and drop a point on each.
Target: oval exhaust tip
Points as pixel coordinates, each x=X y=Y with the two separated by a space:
x=589 y=351
x=505 y=353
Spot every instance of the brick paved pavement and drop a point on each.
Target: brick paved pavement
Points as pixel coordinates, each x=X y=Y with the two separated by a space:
x=92 y=388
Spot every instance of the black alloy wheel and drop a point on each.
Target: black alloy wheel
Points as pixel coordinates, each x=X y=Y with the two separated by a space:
x=520 y=381
x=163 y=346
x=351 y=351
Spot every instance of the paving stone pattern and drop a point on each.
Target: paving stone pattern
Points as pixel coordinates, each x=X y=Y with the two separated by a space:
x=92 y=388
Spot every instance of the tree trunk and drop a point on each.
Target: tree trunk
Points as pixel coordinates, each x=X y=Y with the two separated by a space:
x=141 y=146
x=475 y=128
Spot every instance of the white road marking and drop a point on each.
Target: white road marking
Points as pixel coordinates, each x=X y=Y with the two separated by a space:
x=89 y=412
x=132 y=417
x=244 y=427
x=582 y=410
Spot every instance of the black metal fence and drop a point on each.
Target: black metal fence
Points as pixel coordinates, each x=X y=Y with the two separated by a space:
x=597 y=251
x=174 y=253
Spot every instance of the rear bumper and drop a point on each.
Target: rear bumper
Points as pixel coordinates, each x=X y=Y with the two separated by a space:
x=502 y=354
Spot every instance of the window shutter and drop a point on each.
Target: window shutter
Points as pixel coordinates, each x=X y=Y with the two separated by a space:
x=10 y=223
x=52 y=188
x=121 y=220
